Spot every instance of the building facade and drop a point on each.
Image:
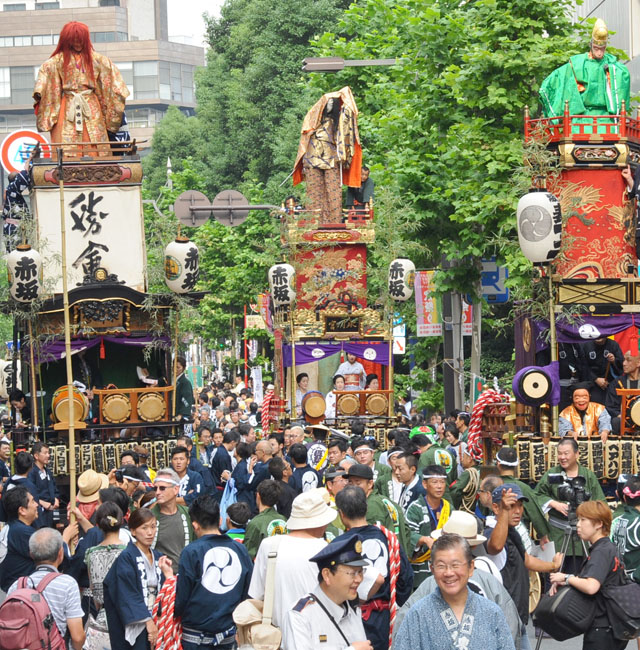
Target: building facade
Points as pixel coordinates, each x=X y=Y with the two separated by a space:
x=132 y=33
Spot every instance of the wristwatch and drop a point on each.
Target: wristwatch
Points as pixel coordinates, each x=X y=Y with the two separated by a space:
x=566 y=578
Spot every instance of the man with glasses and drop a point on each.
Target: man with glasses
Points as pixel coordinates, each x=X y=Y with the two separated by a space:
x=453 y=615
x=326 y=617
x=386 y=563
x=174 y=529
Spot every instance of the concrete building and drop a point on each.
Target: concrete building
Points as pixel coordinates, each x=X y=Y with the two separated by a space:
x=133 y=33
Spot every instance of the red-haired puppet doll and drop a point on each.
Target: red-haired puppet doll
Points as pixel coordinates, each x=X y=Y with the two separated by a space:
x=79 y=93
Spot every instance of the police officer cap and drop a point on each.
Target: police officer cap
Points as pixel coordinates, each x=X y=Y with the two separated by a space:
x=341 y=551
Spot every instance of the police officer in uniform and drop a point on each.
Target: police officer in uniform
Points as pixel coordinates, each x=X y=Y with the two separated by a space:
x=325 y=619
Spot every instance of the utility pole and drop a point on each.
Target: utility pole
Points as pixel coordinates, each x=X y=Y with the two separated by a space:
x=453 y=352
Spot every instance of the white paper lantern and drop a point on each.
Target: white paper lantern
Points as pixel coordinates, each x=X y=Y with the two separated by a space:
x=282 y=283
x=402 y=275
x=539 y=226
x=24 y=271
x=181 y=265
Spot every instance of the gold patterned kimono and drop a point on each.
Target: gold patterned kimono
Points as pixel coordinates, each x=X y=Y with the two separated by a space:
x=88 y=110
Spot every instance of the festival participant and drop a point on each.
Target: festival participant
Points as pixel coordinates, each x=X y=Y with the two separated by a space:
x=506 y=462
x=206 y=591
x=625 y=529
x=584 y=417
x=453 y=612
x=353 y=372
x=629 y=379
x=426 y=441
x=132 y=584
x=304 y=476
x=361 y=197
x=18 y=401
x=196 y=465
x=604 y=360
x=46 y=488
x=375 y=589
x=79 y=93
x=330 y=398
x=184 y=395
x=602 y=569
x=336 y=450
x=506 y=547
x=238 y=515
x=426 y=514
x=405 y=470
x=465 y=488
x=380 y=510
x=364 y=450
x=317 y=452
x=462 y=424
x=268 y=521
x=295 y=574
x=302 y=387
x=594 y=83
x=222 y=462
x=280 y=471
x=99 y=560
x=391 y=487
x=372 y=382
x=327 y=616
x=191 y=483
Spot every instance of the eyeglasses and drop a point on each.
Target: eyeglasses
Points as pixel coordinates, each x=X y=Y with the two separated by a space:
x=352 y=573
x=162 y=488
x=440 y=566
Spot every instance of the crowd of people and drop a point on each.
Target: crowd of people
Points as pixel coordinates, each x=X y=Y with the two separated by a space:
x=411 y=543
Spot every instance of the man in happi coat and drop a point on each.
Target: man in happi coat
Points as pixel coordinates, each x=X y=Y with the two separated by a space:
x=453 y=616
x=594 y=83
x=329 y=153
x=79 y=93
x=584 y=417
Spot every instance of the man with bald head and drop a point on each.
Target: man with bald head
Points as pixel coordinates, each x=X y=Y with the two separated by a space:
x=629 y=379
x=260 y=472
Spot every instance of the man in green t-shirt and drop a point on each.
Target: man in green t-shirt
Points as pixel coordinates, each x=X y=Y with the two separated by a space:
x=268 y=521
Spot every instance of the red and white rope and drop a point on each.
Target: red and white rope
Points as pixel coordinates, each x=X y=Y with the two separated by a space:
x=169 y=628
x=394 y=572
x=489 y=396
x=264 y=411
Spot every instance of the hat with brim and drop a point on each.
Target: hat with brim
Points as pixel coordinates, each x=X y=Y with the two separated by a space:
x=360 y=471
x=463 y=524
x=310 y=510
x=89 y=484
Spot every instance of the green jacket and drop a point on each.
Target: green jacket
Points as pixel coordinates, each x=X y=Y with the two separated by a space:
x=436 y=455
x=546 y=492
x=381 y=510
x=184 y=396
x=532 y=511
x=625 y=534
x=265 y=524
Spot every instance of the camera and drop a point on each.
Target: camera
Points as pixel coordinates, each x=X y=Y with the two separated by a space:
x=572 y=490
x=119 y=476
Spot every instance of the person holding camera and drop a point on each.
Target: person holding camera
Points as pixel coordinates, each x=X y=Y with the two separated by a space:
x=559 y=494
x=601 y=570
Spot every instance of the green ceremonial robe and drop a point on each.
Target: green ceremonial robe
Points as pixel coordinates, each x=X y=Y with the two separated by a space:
x=599 y=95
x=265 y=524
x=419 y=523
x=381 y=510
x=184 y=396
x=545 y=492
x=436 y=455
x=456 y=490
x=381 y=472
x=532 y=511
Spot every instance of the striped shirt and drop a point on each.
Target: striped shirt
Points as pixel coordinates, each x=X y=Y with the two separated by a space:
x=62 y=595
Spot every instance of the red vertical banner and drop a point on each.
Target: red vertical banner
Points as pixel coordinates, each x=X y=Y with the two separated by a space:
x=467 y=318
x=429 y=322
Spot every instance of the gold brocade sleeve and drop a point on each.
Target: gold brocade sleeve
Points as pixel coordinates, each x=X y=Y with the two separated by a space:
x=47 y=94
x=110 y=90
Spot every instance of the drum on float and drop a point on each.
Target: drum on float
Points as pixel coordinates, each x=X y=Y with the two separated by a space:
x=151 y=407
x=116 y=408
x=60 y=405
x=348 y=404
x=313 y=406
x=377 y=404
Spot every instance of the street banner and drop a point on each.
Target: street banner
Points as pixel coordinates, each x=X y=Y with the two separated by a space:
x=265 y=310
x=428 y=322
x=467 y=318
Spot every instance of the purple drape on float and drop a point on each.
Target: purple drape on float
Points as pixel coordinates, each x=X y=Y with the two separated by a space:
x=376 y=351
x=587 y=328
x=55 y=350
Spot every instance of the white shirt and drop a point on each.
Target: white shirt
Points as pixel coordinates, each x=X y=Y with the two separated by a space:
x=345 y=369
x=330 y=410
x=295 y=575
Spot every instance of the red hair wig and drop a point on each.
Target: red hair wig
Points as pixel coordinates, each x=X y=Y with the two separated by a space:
x=71 y=32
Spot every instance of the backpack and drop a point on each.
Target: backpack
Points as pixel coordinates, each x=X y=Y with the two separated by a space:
x=26 y=622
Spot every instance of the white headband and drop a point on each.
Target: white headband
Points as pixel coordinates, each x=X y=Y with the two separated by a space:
x=428 y=476
x=507 y=463
x=162 y=479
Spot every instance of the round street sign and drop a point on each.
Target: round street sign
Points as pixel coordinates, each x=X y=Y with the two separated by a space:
x=232 y=216
x=184 y=203
x=17 y=147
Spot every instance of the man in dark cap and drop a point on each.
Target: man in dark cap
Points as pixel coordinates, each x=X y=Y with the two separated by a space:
x=325 y=617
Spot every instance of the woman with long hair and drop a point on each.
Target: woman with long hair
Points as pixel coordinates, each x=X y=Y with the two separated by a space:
x=132 y=584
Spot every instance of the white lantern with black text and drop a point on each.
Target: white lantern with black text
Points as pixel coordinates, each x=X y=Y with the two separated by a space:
x=181 y=265
x=402 y=275
x=24 y=271
x=282 y=282
x=539 y=226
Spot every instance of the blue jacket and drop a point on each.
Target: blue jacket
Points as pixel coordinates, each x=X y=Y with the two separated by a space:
x=213 y=578
x=17 y=562
x=245 y=491
x=304 y=478
x=193 y=489
x=196 y=466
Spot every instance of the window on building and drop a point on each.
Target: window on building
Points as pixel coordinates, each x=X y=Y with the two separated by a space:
x=43 y=39
x=6 y=41
x=47 y=5
x=22 y=79
x=145 y=79
x=109 y=3
x=15 y=6
x=103 y=37
x=22 y=41
x=187 y=83
x=122 y=36
x=5 y=83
